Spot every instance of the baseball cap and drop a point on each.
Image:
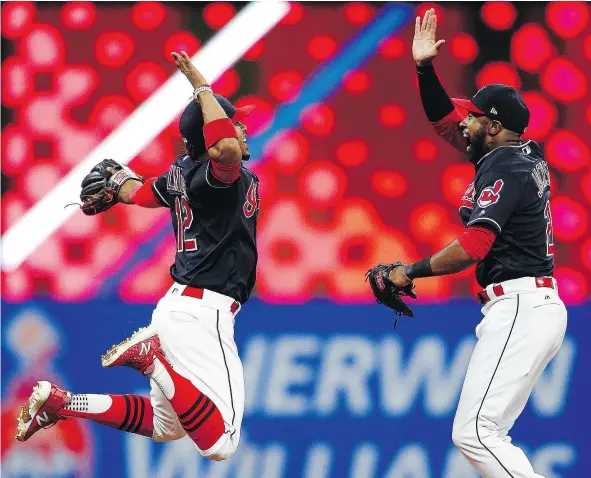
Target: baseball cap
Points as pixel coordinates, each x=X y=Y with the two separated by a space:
x=501 y=103
x=191 y=122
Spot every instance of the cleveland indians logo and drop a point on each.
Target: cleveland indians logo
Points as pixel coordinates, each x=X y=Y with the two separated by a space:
x=490 y=195
x=252 y=200
x=468 y=197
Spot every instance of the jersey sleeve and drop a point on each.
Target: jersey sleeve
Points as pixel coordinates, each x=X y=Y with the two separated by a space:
x=160 y=191
x=497 y=197
x=439 y=108
x=448 y=129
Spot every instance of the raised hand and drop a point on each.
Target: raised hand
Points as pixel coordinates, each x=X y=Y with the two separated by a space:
x=186 y=67
x=424 y=44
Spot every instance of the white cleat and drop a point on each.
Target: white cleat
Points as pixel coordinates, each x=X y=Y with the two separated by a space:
x=41 y=409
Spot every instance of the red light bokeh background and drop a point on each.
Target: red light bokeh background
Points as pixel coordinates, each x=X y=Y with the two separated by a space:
x=362 y=178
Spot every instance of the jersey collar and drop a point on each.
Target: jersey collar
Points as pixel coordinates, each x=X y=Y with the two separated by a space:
x=521 y=145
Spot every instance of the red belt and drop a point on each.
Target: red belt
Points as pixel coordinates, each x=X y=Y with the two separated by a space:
x=197 y=293
x=483 y=297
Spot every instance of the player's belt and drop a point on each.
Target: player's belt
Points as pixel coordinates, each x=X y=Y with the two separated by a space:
x=515 y=285
x=209 y=297
x=198 y=293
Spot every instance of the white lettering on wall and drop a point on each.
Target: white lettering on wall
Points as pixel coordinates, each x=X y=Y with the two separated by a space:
x=549 y=395
x=426 y=369
x=364 y=461
x=287 y=372
x=346 y=367
x=307 y=375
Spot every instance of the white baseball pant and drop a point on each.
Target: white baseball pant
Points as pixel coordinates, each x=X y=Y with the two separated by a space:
x=520 y=333
x=197 y=336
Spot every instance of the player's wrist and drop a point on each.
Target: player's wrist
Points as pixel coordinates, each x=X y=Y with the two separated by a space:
x=419 y=269
x=200 y=91
x=127 y=190
x=422 y=65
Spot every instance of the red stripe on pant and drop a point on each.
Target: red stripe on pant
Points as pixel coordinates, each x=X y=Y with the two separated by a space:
x=129 y=413
x=198 y=415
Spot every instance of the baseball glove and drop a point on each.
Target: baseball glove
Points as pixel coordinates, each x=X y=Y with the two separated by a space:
x=100 y=187
x=387 y=293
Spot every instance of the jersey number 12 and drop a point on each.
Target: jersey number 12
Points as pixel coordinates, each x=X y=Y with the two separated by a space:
x=549 y=231
x=184 y=219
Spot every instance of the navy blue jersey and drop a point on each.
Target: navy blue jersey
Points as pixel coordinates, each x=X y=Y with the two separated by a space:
x=214 y=225
x=510 y=195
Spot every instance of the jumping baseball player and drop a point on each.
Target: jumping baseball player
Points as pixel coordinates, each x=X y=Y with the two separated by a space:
x=508 y=236
x=188 y=351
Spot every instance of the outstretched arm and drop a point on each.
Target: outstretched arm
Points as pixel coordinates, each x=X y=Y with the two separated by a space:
x=225 y=150
x=468 y=249
x=437 y=105
x=141 y=194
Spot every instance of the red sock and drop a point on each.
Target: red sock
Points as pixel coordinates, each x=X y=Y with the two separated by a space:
x=198 y=415
x=129 y=413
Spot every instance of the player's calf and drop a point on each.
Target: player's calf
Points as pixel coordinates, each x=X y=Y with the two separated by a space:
x=128 y=413
x=197 y=413
x=49 y=404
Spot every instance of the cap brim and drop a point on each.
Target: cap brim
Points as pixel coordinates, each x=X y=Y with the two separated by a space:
x=243 y=112
x=466 y=105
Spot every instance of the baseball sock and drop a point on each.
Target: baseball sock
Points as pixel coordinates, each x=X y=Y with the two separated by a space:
x=198 y=415
x=129 y=413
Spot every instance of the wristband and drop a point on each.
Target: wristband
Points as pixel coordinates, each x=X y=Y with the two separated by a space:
x=144 y=195
x=419 y=269
x=218 y=129
x=123 y=175
x=421 y=69
x=201 y=89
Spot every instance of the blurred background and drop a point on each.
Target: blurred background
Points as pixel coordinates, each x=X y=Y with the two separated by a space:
x=351 y=175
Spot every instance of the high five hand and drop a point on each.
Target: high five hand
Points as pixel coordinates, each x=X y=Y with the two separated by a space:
x=424 y=46
x=186 y=67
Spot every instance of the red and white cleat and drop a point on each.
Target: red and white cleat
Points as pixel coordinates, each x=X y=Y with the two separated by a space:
x=136 y=352
x=41 y=409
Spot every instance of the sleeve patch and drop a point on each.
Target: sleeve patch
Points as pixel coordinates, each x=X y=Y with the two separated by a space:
x=490 y=195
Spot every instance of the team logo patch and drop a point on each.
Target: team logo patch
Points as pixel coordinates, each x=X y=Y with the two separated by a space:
x=252 y=200
x=490 y=195
x=468 y=197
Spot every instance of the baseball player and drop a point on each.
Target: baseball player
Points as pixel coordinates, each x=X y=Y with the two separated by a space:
x=508 y=236
x=188 y=350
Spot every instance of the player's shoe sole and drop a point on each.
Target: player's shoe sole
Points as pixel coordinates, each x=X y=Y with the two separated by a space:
x=39 y=412
x=136 y=351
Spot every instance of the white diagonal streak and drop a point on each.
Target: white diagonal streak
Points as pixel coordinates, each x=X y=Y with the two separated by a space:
x=141 y=127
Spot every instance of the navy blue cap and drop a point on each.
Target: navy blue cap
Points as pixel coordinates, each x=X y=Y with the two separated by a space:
x=501 y=103
x=191 y=122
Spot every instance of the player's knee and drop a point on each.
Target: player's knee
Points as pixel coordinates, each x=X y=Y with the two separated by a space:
x=167 y=431
x=465 y=439
x=221 y=455
x=458 y=438
x=223 y=449
x=167 y=436
x=475 y=434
